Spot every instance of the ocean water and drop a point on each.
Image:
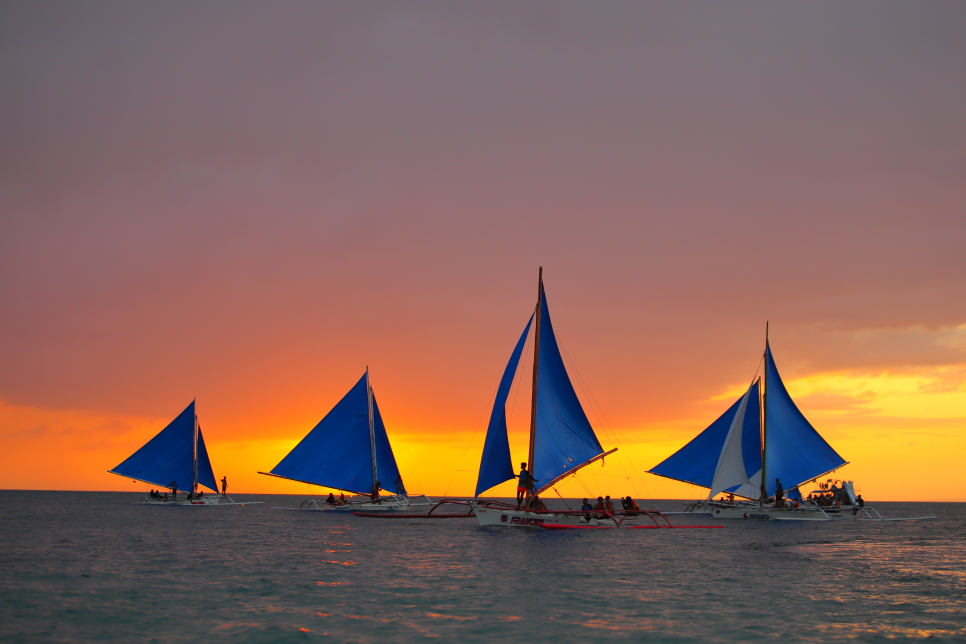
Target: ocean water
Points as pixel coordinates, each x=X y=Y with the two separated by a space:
x=85 y=567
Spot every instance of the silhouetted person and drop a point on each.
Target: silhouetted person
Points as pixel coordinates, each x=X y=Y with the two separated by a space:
x=224 y=485
x=331 y=499
x=779 y=494
x=374 y=496
x=524 y=484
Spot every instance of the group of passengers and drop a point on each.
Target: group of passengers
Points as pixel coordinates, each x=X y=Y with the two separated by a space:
x=156 y=494
x=336 y=501
x=605 y=508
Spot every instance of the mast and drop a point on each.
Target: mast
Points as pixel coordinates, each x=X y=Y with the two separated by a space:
x=536 y=363
x=194 y=448
x=372 y=429
x=763 y=496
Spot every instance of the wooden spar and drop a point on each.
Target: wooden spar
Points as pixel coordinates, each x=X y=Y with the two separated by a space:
x=574 y=471
x=194 y=484
x=288 y=478
x=536 y=363
x=763 y=495
x=372 y=432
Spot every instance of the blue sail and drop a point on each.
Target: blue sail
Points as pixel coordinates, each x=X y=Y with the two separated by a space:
x=168 y=459
x=697 y=461
x=206 y=475
x=564 y=438
x=495 y=466
x=794 y=451
x=337 y=453
x=386 y=468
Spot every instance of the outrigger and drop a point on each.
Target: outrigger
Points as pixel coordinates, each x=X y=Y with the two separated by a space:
x=562 y=440
x=176 y=459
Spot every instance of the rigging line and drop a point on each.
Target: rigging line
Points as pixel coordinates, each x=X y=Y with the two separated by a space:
x=469 y=443
x=605 y=423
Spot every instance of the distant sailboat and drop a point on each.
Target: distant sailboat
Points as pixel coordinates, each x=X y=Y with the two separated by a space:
x=349 y=450
x=763 y=437
x=176 y=459
x=562 y=440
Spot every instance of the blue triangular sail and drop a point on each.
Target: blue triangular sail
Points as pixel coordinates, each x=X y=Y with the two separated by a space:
x=564 y=438
x=337 y=453
x=794 y=451
x=696 y=462
x=206 y=476
x=495 y=466
x=168 y=459
x=386 y=468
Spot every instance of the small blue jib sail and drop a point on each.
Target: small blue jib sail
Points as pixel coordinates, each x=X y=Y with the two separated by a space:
x=495 y=466
x=794 y=451
x=697 y=462
x=337 y=453
x=168 y=459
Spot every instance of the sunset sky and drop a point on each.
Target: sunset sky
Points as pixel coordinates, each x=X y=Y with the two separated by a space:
x=247 y=204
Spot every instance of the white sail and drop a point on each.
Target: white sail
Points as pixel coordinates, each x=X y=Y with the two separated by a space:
x=731 y=470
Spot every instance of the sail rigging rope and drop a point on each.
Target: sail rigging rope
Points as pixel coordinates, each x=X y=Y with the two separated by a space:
x=604 y=423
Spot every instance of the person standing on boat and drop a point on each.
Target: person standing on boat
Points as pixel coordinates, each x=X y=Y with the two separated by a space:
x=224 y=485
x=779 y=494
x=374 y=496
x=524 y=485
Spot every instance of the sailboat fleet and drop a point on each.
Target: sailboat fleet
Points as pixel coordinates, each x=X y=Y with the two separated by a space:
x=761 y=455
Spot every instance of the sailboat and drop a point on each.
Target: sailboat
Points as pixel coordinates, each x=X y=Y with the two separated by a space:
x=349 y=451
x=176 y=459
x=562 y=440
x=762 y=440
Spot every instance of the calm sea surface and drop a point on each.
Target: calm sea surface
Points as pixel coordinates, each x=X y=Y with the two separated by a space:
x=83 y=567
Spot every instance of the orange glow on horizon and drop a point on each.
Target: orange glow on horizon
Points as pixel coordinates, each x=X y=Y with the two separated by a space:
x=887 y=425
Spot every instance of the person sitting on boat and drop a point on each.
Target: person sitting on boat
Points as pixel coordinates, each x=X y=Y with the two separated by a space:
x=860 y=501
x=342 y=500
x=731 y=498
x=374 y=496
x=586 y=507
x=779 y=494
x=536 y=505
x=608 y=504
x=331 y=499
x=524 y=484
x=165 y=497
x=601 y=508
x=631 y=507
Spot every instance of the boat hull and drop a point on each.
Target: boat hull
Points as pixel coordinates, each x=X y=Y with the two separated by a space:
x=204 y=502
x=510 y=518
x=804 y=513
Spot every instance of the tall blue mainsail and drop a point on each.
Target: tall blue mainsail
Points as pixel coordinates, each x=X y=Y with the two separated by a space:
x=563 y=438
x=495 y=466
x=697 y=461
x=794 y=451
x=337 y=453
x=168 y=459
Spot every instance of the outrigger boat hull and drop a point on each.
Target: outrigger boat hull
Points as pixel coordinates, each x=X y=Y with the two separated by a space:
x=207 y=501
